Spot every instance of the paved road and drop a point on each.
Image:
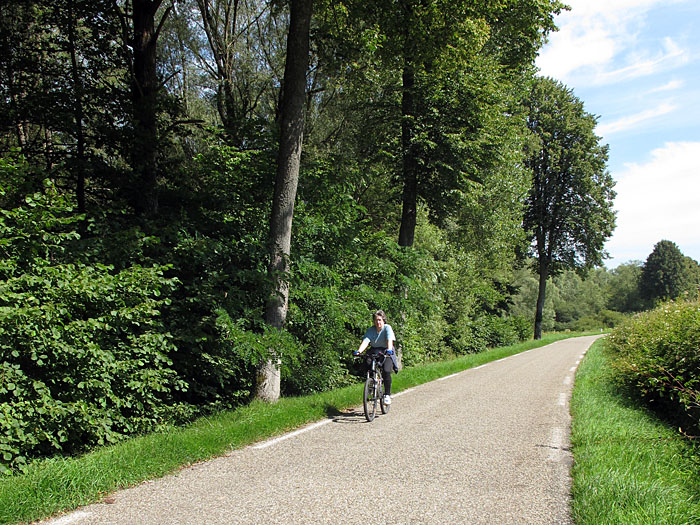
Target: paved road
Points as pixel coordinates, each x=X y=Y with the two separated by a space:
x=488 y=445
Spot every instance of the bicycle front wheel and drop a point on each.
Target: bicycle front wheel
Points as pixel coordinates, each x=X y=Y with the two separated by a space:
x=369 y=399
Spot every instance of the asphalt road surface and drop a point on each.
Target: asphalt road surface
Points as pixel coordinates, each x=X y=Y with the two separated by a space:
x=487 y=445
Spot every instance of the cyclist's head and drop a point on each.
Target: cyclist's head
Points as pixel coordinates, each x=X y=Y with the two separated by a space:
x=379 y=314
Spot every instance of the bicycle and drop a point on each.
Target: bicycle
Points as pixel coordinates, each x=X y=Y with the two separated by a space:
x=374 y=387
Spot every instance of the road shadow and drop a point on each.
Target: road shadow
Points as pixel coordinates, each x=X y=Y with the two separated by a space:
x=349 y=415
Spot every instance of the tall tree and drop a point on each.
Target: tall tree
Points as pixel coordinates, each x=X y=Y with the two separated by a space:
x=424 y=33
x=434 y=41
x=569 y=210
x=667 y=273
x=22 y=83
x=448 y=71
x=145 y=85
x=288 y=161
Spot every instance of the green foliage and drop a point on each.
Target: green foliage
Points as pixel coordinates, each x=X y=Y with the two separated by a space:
x=656 y=353
x=602 y=319
x=65 y=66
x=237 y=352
x=525 y=298
x=667 y=273
x=569 y=211
x=84 y=356
x=324 y=317
x=570 y=298
x=624 y=288
x=211 y=237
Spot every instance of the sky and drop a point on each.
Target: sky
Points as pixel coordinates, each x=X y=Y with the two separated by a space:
x=635 y=64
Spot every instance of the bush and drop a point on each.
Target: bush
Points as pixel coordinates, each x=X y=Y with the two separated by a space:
x=234 y=355
x=84 y=358
x=657 y=355
x=209 y=233
x=523 y=327
x=421 y=339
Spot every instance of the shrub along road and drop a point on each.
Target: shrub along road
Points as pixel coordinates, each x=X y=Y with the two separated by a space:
x=487 y=445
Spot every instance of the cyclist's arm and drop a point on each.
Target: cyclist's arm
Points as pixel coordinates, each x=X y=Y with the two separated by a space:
x=363 y=345
x=390 y=338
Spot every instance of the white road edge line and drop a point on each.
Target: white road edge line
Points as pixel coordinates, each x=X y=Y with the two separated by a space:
x=567 y=380
x=403 y=392
x=449 y=376
x=562 y=399
x=271 y=442
x=556 y=443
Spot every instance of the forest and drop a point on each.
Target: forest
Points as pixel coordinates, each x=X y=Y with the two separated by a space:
x=203 y=201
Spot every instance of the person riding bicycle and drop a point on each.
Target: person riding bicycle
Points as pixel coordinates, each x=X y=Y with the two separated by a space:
x=380 y=338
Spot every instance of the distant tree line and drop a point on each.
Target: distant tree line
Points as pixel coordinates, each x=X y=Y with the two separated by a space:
x=603 y=298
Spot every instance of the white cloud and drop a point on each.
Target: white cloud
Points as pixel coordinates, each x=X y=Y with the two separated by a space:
x=670 y=86
x=641 y=64
x=598 y=43
x=658 y=200
x=579 y=43
x=633 y=121
x=612 y=7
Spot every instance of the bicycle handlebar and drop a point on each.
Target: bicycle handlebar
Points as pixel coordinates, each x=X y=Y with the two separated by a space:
x=373 y=355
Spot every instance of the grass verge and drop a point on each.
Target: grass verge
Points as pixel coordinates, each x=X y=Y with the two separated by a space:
x=629 y=467
x=57 y=485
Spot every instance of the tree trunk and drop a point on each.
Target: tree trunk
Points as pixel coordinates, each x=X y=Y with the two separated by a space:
x=288 y=160
x=544 y=271
x=410 y=165
x=144 y=87
x=79 y=112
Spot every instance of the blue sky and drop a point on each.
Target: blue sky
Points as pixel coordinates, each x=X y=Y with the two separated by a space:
x=636 y=65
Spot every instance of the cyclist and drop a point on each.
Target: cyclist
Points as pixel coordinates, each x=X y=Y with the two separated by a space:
x=380 y=338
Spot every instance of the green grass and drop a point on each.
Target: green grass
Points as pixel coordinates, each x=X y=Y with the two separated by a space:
x=629 y=467
x=61 y=484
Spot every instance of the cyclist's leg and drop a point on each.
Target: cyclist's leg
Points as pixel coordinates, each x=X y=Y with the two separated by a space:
x=387 y=368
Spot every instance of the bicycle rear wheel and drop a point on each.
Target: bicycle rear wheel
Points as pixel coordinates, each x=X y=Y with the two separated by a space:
x=369 y=399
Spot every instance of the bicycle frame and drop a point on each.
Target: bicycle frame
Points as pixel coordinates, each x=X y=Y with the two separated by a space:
x=374 y=388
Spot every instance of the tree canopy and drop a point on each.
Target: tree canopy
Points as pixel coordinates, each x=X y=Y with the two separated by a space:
x=667 y=273
x=569 y=211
